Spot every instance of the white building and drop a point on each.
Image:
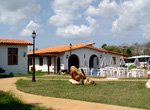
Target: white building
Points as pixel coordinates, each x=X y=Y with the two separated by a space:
x=13 y=55
x=54 y=59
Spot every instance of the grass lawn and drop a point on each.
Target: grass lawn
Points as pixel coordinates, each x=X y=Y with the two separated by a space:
x=9 y=102
x=141 y=78
x=124 y=93
x=58 y=76
x=22 y=75
x=52 y=77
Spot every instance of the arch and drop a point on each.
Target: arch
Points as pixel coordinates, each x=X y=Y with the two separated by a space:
x=73 y=61
x=58 y=64
x=93 y=62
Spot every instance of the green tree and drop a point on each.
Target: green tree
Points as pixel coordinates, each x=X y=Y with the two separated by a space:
x=104 y=46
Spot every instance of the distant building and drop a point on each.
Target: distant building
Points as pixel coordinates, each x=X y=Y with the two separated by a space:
x=13 y=55
x=54 y=59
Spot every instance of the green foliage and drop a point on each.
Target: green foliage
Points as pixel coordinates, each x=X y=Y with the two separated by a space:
x=131 y=67
x=128 y=52
x=2 y=70
x=111 y=48
x=11 y=74
x=9 y=102
x=122 y=93
x=104 y=46
x=132 y=50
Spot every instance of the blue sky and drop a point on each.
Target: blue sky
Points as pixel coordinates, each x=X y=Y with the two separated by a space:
x=61 y=22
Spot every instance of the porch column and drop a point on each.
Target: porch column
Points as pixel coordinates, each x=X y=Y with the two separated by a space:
x=48 y=63
x=54 y=64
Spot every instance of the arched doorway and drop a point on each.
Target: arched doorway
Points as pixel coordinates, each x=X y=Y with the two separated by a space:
x=58 y=64
x=73 y=61
x=93 y=63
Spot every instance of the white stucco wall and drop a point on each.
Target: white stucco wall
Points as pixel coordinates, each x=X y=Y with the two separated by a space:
x=80 y=54
x=88 y=53
x=22 y=61
x=44 y=67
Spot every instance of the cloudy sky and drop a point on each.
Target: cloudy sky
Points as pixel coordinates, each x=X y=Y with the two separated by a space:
x=61 y=22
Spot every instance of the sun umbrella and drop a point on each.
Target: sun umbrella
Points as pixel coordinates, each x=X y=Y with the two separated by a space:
x=104 y=62
x=85 y=63
x=111 y=61
x=148 y=63
x=122 y=62
x=136 y=62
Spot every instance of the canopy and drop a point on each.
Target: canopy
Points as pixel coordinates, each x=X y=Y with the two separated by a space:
x=122 y=62
x=84 y=63
x=104 y=62
x=111 y=61
x=136 y=62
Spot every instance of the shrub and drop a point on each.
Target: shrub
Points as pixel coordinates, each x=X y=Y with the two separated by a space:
x=2 y=70
x=11 y=74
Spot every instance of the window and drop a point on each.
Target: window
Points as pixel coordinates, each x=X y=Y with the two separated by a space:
x=30 y=61
x=12 y=56
x=114 y=58
x=41 y=61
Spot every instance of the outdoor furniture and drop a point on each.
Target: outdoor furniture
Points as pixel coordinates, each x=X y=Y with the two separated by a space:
x=110 y=71
x=135 y=72
x=121 y=72
x=86 y=71
x=103 y=72
x=94 y=72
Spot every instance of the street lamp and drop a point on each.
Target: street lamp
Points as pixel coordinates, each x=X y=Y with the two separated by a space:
x=70 y=45
x=123 y=54
x=144 y=58
x=33 y=75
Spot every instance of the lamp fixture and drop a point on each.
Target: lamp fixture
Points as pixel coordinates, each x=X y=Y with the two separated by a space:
x=66 y=55
x=33 y=34
x=24 y=54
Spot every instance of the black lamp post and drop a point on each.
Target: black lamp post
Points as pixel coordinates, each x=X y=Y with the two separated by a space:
x=144 y=58
x=123 y=53
x=70 y=45
x=33 y=75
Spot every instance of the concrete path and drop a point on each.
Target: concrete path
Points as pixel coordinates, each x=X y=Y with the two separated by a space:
x=8 y=84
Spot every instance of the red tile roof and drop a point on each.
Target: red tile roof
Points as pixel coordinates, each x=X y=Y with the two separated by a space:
x=59 y=49
x=123 y=57
x=15 y=42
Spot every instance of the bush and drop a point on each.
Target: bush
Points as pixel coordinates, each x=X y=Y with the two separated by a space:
x=2 y=70
x=11 y=74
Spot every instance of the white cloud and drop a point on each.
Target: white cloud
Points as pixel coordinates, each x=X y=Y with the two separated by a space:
x=132 y=15
x=66 y=11
x=30 y=27
x=106 y=8
x=16 y=11
x=90 y=20
x=75 y=32
x=61 y=19
x=146 y=31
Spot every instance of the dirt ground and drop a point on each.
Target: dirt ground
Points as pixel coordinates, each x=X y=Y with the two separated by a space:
x=8 y=84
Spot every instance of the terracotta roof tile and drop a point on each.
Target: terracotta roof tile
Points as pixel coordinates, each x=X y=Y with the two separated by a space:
x=98 y=49
x=59 y=49
x=15 y=42
x=115 y=52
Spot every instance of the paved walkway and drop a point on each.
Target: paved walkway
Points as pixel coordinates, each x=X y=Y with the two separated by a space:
x=8 y=84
